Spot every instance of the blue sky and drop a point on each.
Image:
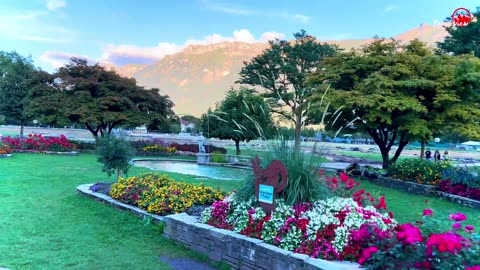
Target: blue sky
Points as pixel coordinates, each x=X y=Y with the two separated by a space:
x=123 y=31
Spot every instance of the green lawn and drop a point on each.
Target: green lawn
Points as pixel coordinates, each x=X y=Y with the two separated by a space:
x=409 y=207
x=44 y=224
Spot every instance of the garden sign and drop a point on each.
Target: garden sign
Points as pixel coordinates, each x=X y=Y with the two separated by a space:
x=268 y=182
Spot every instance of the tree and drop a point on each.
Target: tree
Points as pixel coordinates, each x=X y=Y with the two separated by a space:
x=43 y=101
x=102 y=100
x=115 y=155
x=398 y=94
x=15 y=72
x=462 y=40
x=282 y=70
x=241 y=116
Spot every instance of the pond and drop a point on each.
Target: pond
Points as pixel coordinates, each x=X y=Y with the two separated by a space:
x=217 y=172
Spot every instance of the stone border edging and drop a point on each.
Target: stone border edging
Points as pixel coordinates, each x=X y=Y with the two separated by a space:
x=421 y=189
x=5 y=156
x=72 y=153
x=85 y=191
x=239 y=251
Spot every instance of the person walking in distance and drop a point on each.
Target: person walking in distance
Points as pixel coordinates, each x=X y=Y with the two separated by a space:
x=445 y=156
x=428 y=154
x=437 y=156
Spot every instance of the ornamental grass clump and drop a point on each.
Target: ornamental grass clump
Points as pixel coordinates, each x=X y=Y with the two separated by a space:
x=303 y=184
x=162 y=195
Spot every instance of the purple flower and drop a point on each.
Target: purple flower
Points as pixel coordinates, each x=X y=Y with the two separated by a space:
x=469 y=228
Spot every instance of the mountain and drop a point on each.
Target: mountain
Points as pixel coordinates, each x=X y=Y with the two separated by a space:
x=198 y=76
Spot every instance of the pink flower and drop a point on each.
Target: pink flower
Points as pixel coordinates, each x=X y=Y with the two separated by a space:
x=367 y=253
x=457 y=226
x=476 y=267
x=458 y=217
x=409 y=234
x=469 y=228
x=428 y=212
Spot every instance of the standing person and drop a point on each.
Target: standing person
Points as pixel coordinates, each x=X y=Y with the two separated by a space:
x=437 y=156
x=428 y=154
x=445 y=156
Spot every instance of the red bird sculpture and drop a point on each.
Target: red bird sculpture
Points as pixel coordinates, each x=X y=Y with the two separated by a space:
x=275 y=174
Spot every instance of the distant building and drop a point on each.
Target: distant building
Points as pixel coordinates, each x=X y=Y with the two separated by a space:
x=186 y=125
x=141 y=129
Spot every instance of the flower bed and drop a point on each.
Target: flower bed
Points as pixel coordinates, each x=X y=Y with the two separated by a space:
x=162 y=195
x=38 y=143
x=352 y=227
x=418 y=171
x=463 y=190
x=5 y=150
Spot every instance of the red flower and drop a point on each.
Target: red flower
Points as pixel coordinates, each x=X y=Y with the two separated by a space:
x=367 y=253
x=446 y=242
x=457 y=225
x=458 y=217
x=409 y=234
x=390 y=214
x=428 y=212
x=469 y=228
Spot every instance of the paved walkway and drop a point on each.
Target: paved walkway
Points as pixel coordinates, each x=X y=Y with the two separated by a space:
x=343 y=165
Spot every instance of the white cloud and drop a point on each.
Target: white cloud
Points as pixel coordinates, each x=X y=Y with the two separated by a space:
x=126 y=54
x=243 y=36
x=389 y=8
x=32 y=26
x=229 y=8
x=267 y=36
x=56 y=4
x=58 y=59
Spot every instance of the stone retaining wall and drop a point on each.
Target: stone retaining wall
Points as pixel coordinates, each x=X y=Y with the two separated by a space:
x=238 y=251
x=420 y=189
x=404 y=185
x=459 y=199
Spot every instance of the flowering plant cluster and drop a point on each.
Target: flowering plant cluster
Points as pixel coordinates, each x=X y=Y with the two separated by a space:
x=5 y=149
x=327 y=229
x=156 y=149
x=426 y=246
x=162 y=195
x=36 y=142
x=459 y=189
x=418 y=171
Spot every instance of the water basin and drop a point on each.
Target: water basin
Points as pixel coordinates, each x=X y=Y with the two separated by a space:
x=191 y=168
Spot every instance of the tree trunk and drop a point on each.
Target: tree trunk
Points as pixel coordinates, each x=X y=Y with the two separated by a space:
x=119 y=172
x=22 y=125
x=422 y=150
x=385 y=160
x=93 y=131
x=298 y=131
x=237 y=147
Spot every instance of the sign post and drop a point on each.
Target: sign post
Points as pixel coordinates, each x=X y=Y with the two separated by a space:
x=268 y=182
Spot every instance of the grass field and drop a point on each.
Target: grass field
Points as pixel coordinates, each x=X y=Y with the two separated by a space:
x=44 y=224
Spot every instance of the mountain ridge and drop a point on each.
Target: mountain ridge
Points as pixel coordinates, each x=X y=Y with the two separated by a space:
x=198 y=76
